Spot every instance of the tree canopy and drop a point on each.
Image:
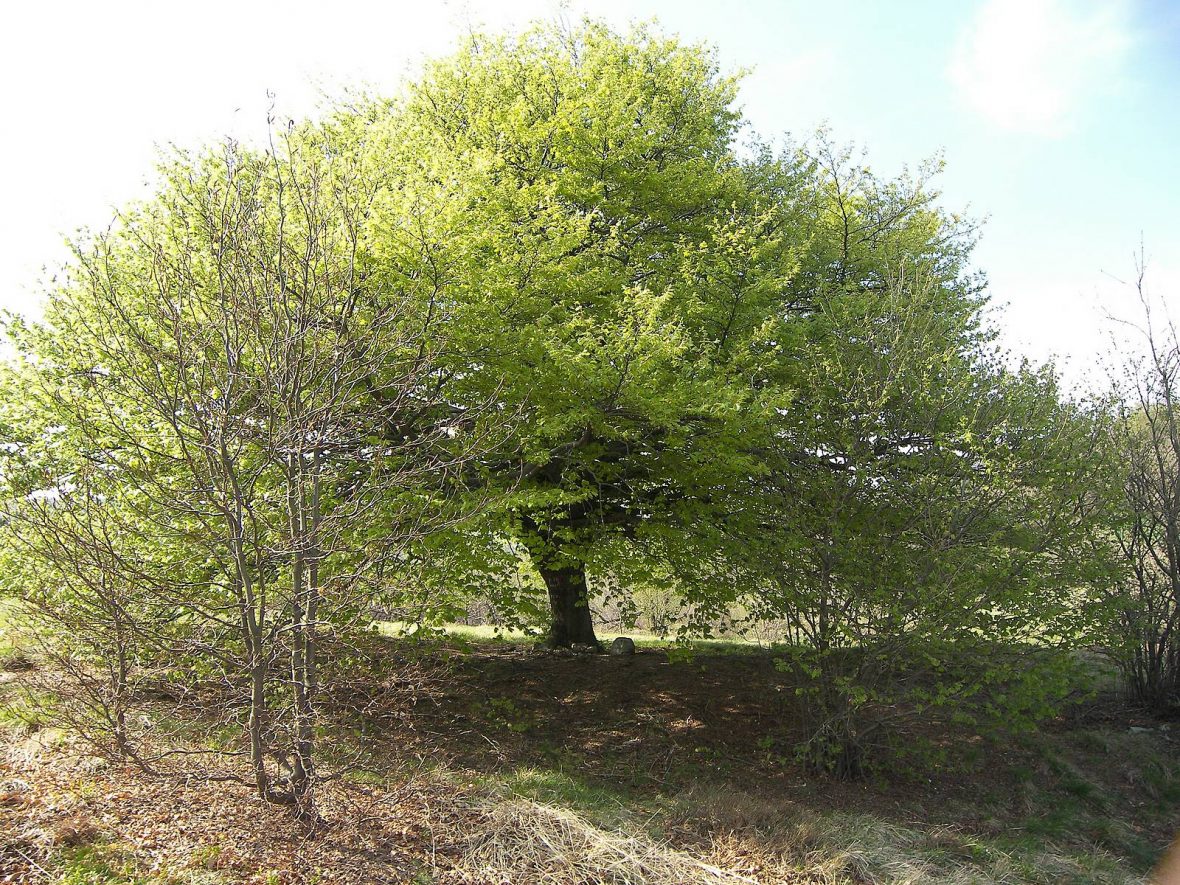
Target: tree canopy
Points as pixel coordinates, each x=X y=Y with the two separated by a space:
x=619 y=265
x=553 y=309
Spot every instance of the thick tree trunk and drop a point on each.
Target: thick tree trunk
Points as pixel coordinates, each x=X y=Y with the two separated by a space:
x=569 y=605
x=570 y=621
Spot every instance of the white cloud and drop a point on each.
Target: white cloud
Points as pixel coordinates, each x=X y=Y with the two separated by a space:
x=1031 y=65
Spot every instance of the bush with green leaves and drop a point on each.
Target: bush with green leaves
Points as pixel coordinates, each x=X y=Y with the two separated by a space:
x=924 y=503
x=229 y=422
x=1143 y=456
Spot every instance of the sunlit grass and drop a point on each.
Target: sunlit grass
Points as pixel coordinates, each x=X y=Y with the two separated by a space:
x=8 y=609
x=828 y=846
x=481 y=633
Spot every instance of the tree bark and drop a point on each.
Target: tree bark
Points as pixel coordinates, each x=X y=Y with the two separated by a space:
x=569 y=606
x=570 y=620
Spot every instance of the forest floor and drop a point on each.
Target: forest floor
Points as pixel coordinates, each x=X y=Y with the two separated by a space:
x=490 y=762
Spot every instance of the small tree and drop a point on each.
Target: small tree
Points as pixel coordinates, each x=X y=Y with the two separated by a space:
x=86 y=585
x=1145 y=452
x=225 y=366
x=923 y=505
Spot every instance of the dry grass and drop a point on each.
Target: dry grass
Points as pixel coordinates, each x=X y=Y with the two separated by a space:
x=525 y=841
x=794 y=843
x=53 y=802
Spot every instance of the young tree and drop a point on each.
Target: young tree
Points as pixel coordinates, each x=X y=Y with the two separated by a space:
x=923 y=503
x=91 y=590
x=1145 y=456
x=225 y=367
x=930 y=508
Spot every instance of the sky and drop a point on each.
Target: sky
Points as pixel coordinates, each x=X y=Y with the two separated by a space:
x=1058 y=120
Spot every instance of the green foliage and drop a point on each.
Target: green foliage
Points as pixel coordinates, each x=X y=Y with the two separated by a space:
x=1143 y=460
x=614 y=263
x=507 y=714
x=546 y=322
x=926 y=505
x=101 y=863
x=226 y=425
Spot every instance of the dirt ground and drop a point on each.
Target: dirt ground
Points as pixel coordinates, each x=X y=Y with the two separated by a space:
x=694 y=753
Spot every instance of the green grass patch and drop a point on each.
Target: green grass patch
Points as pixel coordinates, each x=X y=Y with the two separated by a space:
x=24 y=709
x=100 y=864
x=488 y=633
x=604 y=806
x=108 y=863
x=1087 y=802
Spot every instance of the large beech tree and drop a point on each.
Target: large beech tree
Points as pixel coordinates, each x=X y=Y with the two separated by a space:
x=616 y=267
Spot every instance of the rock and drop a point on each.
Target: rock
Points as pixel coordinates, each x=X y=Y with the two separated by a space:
x=623 y=645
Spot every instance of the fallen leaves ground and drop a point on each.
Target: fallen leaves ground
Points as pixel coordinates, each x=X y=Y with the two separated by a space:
x=54 y=797
x=680 y=747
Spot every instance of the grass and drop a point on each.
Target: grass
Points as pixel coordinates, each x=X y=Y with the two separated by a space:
x=481 y=634
x=97 y=864
x=556 y=769
x=602 y=805
x=528 y=841
x=866 y=848
x=21 y=709
x=557 y=825
x=109 y=863
x=1072 y=804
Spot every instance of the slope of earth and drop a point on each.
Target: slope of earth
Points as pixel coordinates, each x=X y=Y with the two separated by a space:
x=492 y=762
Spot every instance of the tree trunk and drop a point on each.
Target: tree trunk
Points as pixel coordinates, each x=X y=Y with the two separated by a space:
x=570 y=621
x=301 y=770
x=257 y=726
x=569 y=605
